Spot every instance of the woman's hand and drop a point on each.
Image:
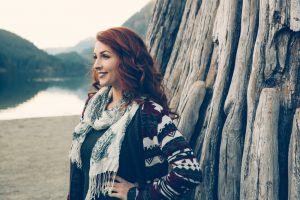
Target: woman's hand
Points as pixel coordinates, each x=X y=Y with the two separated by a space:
x=121 y=188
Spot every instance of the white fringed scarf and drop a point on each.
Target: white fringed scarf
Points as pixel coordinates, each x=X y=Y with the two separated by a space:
x=104 y=161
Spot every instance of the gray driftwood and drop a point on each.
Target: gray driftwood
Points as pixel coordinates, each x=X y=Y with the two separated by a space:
x=235 y=49
x=261 y=180
x=294 y=159
x=190 y=111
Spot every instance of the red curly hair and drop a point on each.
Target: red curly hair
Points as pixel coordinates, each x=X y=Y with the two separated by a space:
x=139 y=73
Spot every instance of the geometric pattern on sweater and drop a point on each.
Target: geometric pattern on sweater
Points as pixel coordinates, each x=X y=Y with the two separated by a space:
x=150 y=143
x=150 y=152
x=154 y=160
x=170 y=136
x=164 y=145
x=187 y=164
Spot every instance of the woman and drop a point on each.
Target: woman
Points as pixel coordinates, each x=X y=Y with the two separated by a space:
x=126 y=140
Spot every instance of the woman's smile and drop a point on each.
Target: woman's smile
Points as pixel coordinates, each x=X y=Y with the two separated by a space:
x=101 y=74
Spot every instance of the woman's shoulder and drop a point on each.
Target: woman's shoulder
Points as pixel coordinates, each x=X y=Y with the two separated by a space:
x=152 y=107
x=154 y=115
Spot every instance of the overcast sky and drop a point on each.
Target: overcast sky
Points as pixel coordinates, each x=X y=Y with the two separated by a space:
x=63 y=23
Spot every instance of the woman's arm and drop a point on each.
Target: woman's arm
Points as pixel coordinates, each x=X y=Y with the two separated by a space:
x=185 y=173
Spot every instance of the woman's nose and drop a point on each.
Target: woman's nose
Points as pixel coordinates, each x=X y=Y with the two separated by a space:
x=97 y=65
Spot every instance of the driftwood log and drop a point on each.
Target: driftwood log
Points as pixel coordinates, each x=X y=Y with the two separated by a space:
x=231 y=71
x=294 y=159
x=260 y=180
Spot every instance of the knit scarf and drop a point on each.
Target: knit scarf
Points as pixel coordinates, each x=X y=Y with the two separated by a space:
x=104 y=162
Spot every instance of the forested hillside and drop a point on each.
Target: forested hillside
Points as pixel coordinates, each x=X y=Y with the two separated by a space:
x=22 y=60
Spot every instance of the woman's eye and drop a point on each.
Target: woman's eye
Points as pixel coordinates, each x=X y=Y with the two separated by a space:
x=105 y=56
x=94 y=56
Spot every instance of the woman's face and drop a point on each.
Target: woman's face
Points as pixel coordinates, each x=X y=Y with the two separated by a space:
x=106 y=65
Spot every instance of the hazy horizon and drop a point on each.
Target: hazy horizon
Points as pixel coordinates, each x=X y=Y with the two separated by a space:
x=64 y=23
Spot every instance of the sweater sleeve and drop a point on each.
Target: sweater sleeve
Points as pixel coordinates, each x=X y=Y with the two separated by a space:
x=185 y=173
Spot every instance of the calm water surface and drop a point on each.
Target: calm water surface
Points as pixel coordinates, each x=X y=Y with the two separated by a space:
x=42 y=98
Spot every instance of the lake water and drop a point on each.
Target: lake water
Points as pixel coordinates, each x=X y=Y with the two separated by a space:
x=42 y=98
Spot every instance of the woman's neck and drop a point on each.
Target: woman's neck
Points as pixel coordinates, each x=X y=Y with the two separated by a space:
x=116 y=94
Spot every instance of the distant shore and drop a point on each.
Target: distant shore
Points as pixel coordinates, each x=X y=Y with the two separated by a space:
x=34 y=157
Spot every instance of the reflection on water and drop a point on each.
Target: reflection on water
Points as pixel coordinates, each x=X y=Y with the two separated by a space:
x=42 y=99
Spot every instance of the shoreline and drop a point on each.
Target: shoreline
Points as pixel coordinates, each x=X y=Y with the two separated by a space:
x=41 y=117
x=34 y=157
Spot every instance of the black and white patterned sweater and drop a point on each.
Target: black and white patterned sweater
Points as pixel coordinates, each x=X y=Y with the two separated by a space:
x=171 y=169
x=165 y=146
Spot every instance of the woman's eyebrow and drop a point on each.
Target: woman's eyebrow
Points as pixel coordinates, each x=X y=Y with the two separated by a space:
x=104 y=51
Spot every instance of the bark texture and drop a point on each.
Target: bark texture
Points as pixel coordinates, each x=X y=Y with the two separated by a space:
x=294 y=159
x=262 y=178
x=231 y=71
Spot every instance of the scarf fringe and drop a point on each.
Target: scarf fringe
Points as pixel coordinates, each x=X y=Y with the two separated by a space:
x=100 y=184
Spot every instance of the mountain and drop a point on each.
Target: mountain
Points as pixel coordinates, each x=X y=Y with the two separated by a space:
x=79 y=47
x=138 y=22
x=56 y=50
x=72 y=58
x=22 y=60
x=83 y=44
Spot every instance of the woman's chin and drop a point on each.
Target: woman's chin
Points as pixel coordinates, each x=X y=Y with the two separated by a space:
x=102 y=84
x=101 y=81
